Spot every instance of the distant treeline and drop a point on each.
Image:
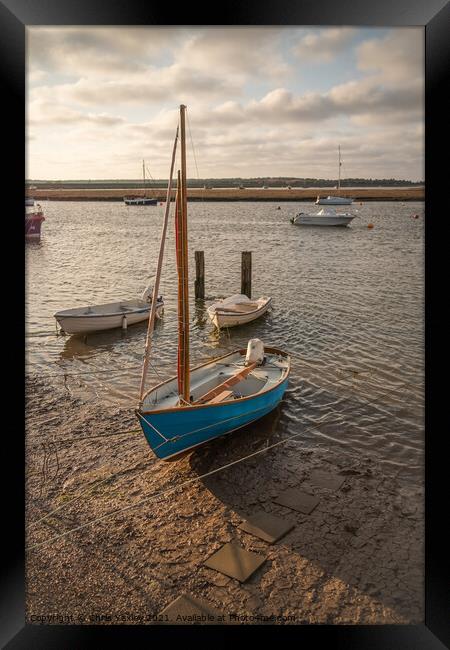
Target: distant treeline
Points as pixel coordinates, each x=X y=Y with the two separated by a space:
x=224 y=182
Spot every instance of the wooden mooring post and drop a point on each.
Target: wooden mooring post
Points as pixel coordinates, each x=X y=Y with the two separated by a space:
x=199 y=285
x=246 y=274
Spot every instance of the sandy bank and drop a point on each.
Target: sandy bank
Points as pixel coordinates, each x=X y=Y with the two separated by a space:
x=364 y=194
x=356 y=559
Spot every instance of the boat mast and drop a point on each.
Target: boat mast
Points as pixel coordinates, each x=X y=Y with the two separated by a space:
x=183 y=297
x=339 y=179
x=151 y=320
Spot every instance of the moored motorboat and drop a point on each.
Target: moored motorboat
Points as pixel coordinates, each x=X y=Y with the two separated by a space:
x=237 y=310
x=29 y=201
x=220 y=396
x=33 y=223
x=82 y=320
x=325 y=217
x=333 y=200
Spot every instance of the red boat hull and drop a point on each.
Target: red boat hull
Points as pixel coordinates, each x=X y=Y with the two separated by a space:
x=33 y=221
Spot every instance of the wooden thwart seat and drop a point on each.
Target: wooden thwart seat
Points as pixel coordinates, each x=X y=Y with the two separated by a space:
x=234 y=379
x=221 y=397
x=240 y=308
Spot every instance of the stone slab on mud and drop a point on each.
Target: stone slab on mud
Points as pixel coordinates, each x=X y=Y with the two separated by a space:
x=267 y=527
x=297 y=500
x=236 y=562
x=322 y=478
x=187 y=610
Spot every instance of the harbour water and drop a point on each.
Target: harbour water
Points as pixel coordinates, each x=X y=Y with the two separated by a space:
x=348 y=304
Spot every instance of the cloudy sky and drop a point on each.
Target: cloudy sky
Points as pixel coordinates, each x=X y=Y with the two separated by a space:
x=261 y=101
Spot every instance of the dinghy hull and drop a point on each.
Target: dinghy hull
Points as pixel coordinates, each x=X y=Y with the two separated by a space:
x=334 y=200
x=174 y=431
x=94 y=322
x=223 y=317
x=142 y=201
x=317 y=220
x=204 y=423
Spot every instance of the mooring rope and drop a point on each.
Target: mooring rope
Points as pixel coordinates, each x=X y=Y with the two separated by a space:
x=86 y=491
x=164 y=492
x=181 y=485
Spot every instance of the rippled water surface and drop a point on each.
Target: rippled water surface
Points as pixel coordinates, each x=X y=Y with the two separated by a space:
x=348 y=304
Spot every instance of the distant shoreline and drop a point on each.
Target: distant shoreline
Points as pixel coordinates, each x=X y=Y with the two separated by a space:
x=225 y=194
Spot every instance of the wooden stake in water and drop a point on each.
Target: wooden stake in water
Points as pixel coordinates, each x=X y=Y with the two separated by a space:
x=199 y=275
x=246 y=274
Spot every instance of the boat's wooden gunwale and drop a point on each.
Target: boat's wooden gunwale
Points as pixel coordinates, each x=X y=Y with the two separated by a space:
x=241 y=351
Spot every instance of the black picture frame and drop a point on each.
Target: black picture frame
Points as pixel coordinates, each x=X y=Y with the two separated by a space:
x=434 y=16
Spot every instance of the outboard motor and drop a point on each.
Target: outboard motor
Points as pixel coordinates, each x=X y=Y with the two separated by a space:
x=147 y=294
x=255 y=352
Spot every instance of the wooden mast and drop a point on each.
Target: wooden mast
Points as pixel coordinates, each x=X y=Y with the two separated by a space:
x=151 y=320
x=183 y=366
x=179 y=259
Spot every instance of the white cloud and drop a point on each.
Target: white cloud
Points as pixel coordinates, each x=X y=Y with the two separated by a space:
x=396 y=58
x=324 y=45
x=103 y=94
x=96 y=50
x=42 y=112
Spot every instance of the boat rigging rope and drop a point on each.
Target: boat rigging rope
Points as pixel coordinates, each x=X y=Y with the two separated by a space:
x=208 y=426
x=154 y=428
x=165 y=492
x=170 y=490
x=192 y=144
x=74 y=439
x=86 y=491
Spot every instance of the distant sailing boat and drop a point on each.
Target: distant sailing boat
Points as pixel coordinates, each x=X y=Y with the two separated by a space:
x=220 y=396
x=141 y=200
x=335 y=200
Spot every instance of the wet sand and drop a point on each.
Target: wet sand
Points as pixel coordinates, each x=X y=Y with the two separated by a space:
x=253 y=194
x=356 y=559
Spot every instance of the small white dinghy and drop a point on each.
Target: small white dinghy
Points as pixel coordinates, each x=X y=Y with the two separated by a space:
x=237 y=310
x=82 y=320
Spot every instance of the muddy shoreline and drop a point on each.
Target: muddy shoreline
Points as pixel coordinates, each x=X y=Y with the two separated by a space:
x=254 y=194
x=356 y=559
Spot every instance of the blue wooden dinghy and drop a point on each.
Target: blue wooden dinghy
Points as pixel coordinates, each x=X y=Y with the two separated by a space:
x=211 y=400
x=225 y=395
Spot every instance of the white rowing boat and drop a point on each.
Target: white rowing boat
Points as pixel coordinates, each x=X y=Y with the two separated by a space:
x=82 y=320
x=237 y=310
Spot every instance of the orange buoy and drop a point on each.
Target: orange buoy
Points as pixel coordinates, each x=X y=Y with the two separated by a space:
x=360 y=204
x=370 y=225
